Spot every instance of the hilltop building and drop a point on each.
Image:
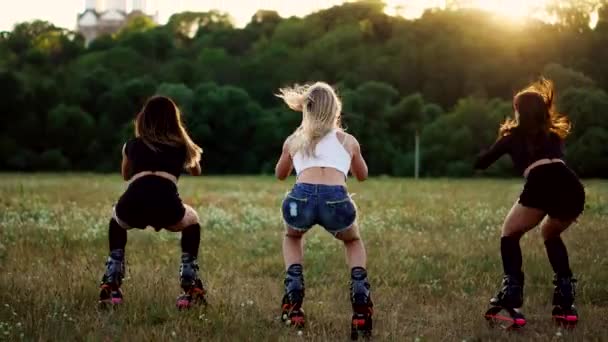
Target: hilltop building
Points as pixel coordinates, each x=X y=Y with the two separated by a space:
x=108 y=16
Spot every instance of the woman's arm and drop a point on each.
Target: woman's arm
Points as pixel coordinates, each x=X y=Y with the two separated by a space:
x=487 y=158
x=358 y=166
x=125 y=166
x=285 y=163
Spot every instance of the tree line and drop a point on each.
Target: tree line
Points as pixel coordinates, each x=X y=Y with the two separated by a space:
x=448 y=76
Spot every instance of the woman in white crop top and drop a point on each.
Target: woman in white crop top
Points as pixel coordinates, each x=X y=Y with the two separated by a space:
x=322 y=155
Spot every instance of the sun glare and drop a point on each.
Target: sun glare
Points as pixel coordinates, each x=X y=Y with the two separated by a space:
x=515 y=11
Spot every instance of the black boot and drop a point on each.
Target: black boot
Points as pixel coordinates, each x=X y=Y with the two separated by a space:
x=511 y=295
x=110 y=292
x=191 y=284
x=510 y=298
x=292 y=313
x=563 y=300
x=361 y=300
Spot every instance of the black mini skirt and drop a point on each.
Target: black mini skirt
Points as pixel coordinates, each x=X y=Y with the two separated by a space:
x=555 y=189
x=150 y=201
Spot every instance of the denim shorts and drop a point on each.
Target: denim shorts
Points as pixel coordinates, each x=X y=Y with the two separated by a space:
x=329 y=206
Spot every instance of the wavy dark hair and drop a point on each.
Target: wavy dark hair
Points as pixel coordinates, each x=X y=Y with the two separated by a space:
x=160 y=122
x=535 y=113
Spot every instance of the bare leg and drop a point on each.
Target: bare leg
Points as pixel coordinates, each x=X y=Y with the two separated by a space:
x=293 y=247
x=293 y=255
x=553 y=227
x=519 y=221
x=564 y=292
x=360 y=294
x=190 y=218
x=191 y=232
x=190 y=282
x=356 y=255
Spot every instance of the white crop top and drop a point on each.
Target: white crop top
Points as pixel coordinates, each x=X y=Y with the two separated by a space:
x=329 y=152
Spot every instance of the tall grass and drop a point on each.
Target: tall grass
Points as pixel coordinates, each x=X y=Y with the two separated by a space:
x=433 y=263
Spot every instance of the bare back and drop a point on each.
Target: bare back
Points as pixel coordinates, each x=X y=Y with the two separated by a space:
x=322 y=175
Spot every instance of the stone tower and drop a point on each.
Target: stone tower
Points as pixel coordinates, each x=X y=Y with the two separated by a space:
x=98 y=20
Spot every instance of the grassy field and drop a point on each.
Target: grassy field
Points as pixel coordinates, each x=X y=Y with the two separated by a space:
x=433 y=263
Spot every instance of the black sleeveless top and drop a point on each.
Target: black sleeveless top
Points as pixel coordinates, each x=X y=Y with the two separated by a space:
x=521 y=153
x=166 y=158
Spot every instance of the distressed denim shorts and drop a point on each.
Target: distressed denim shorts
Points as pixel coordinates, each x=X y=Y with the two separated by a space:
x=329 y=206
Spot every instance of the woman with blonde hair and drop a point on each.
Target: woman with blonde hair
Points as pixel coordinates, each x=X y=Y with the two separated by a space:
x=322 y=155
x=152 y=163
x=552 y=196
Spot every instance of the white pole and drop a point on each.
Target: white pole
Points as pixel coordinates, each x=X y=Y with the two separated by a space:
x=417 y=156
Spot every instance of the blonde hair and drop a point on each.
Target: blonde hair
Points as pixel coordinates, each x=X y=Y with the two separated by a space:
x=160 y=122
x=321 y=111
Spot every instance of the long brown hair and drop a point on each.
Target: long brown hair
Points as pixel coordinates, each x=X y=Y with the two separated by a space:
x=535 y=113
x=160 y=122
x=321 y=109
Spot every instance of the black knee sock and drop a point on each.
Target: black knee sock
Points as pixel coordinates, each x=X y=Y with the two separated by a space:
x=191 y=239
x=117 y=236
x=358 y=273
x=558 y=256
x=511 y=255
x=295 y=270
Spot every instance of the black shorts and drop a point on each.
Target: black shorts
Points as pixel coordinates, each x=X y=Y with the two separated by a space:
x=554 y=189
x=150 y=201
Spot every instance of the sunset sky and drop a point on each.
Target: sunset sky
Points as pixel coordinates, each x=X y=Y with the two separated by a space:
x=63 y=12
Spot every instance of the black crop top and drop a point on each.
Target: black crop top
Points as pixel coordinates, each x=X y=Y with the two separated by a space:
x=166 y=158
x=521 y=154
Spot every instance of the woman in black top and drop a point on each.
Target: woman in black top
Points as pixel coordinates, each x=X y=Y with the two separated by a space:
x=152 y=163
x=552 y=195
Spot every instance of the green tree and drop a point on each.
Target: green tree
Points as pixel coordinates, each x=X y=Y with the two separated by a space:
x=451 y=142
x=263 y=23
x=187 y=25
x=586 y=109
x=565 y=78
x=70 y=132
x=227 y=115
x=395 y=77
x=180 y=93
x=587 y=155
x=138 y=23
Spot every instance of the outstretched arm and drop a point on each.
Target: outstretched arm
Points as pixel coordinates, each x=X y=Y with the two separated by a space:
x=488 y=157
x=285 y=164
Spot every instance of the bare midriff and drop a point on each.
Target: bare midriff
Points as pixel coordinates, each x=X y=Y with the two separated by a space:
x=322 y=175
x=541 y=162
x=162 y=174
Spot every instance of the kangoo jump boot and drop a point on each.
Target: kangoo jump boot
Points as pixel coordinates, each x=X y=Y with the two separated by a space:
x=361 y=300
x=510 y=298
x=192 y=286
x=292 y=313
x=564 y=312
x=110 y=292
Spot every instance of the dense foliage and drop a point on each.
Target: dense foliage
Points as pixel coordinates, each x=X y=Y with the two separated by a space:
x=448 y=75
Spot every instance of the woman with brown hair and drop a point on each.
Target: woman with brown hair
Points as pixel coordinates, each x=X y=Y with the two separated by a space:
x=553 y=197
x=152 y=163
